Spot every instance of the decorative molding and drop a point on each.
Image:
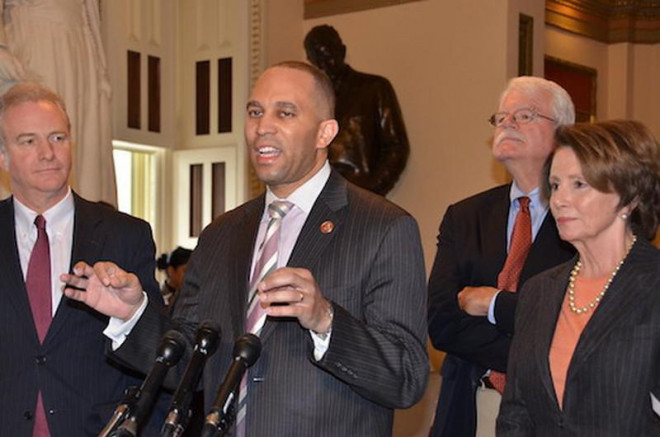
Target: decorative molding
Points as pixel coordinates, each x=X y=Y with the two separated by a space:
x=323 y=8
x=155 y=23
x=609 y=21
x=134 y=18
x=256 y=66
x=223 y=16
x=201 y=11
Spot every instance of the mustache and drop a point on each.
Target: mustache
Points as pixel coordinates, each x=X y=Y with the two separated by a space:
x=509 y=133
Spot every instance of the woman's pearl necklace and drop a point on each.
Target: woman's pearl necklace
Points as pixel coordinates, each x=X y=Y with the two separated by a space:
x=571 y=284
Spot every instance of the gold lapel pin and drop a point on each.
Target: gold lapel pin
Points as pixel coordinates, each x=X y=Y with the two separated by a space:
x=327 y=227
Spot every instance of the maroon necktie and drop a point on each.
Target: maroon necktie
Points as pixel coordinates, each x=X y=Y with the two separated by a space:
x=521 y=241
x=37 y=281
x=38 y=285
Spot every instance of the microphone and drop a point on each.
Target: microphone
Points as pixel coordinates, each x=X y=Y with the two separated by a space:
x=170 y=351
x=124 y=408
x=246 y=352
x=206 y=342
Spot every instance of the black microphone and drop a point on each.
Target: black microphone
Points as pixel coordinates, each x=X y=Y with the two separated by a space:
x=246 y=352
x=170 y=351
x=206 y=342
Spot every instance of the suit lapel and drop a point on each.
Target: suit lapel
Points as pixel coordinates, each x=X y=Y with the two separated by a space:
x=88 y=241
x=552 y=297
x=87 y=244
x=243 y=248
x=622 y=296
x=492 y=227
x=14 y=292
x=312 y=240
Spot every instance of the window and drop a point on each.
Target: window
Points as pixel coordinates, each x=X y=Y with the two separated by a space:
x=139 y=184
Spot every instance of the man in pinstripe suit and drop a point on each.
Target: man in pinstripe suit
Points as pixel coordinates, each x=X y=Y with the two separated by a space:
x=78 y=386
x=344 y=342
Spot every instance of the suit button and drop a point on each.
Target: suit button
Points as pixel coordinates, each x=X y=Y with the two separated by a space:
x=27 y=415
x=52 y=411
x=40 y=359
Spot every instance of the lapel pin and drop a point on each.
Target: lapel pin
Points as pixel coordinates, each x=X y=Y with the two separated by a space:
x=327 y=227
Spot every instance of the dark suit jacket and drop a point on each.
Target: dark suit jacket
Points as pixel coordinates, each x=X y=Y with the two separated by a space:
x=471 y=252
x=371 y=268
x=614 y=368
x=79 y=385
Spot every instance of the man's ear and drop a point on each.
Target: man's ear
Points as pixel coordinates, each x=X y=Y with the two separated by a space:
x=328 y=130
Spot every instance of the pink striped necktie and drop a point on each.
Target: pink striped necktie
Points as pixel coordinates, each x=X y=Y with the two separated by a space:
x=38 y=285
x=256 y=315
x=521 y=242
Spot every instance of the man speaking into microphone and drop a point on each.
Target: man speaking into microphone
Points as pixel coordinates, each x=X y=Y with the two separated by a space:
x=329 y=276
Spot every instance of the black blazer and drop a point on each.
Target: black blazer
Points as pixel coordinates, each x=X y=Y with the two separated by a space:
x=371 y=268
x=615 y=367
x=471 y=252
x=79 y=385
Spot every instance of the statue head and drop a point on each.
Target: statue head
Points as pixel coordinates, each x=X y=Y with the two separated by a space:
x=325 y=50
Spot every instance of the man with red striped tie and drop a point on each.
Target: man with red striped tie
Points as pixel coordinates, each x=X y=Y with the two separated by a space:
x=488 y=245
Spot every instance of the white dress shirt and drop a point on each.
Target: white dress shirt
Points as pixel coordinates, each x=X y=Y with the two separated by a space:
x=303 y=200
x=59 y=227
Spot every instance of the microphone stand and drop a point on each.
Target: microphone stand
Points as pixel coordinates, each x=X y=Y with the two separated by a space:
x=131 y=395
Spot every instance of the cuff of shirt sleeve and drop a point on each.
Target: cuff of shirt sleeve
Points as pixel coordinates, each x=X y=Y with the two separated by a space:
x=321 y=343
x=656 y=404
x=491 y=308
x=117 y=329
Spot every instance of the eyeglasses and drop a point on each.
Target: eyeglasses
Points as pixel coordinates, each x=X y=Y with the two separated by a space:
x=521 y=116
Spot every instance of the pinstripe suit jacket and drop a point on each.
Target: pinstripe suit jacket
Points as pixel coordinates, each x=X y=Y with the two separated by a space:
x=80 y=387
x=371 y=268
x=615 y=366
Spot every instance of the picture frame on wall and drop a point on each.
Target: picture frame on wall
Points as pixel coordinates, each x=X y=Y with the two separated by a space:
x=525 y=45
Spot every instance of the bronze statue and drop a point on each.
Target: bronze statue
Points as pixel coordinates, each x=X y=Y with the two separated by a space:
x=371 y=149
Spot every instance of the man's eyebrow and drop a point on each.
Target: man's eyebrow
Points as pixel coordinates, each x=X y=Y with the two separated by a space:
x=286 y=105
x=279 y=105
x=25 y=135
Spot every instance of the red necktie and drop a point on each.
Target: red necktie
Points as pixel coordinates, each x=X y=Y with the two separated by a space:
x=37 y=281
x=38 y=285
x=521 y=241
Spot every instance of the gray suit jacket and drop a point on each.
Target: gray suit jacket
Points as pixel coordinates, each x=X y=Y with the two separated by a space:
x=616 y=363
x=79 y=385
x=371 y=268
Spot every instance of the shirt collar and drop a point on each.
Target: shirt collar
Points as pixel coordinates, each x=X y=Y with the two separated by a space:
x=305 y=195
x=55 y=216
x=536 y=201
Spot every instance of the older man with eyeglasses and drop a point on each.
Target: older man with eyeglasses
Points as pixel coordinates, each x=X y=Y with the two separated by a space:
x=488 y=245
